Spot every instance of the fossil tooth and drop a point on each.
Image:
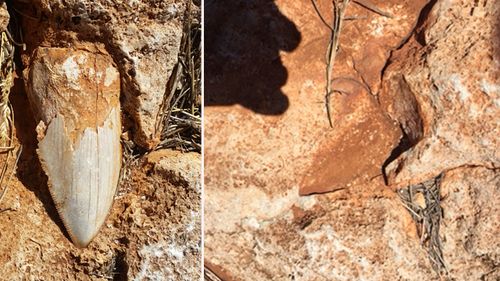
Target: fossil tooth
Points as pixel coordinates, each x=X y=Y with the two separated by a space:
x=74 y=93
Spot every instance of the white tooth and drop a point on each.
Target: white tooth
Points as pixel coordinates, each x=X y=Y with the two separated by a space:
x=82 y=177
x=79 y=133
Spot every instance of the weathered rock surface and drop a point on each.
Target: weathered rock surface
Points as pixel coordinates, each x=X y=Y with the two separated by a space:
x=143 y=38
x=448 y=79
x=340 y=236
x=260 y=153
x=471 y=223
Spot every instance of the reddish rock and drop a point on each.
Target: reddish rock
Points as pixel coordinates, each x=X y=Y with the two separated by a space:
x=443 y=87
x=471 y=223
x=356 y=150
x=259 y=157
x=432 y=93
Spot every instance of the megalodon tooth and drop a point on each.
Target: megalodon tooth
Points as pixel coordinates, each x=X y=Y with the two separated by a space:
x=74 y=94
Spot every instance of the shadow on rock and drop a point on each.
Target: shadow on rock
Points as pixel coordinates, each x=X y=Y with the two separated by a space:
x=242 y=61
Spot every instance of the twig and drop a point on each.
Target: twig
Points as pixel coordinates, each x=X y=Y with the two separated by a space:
x=39 y=247
x=6 y=209
x=321 y=16
x=339 y=8
x=372 y=7
x=333 y=44
x=338 y=15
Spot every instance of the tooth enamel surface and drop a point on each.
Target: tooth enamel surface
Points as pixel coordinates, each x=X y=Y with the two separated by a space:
x=79 y=133
x=82 y=177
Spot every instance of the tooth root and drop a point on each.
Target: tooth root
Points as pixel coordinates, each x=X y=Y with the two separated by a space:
x=75 y=95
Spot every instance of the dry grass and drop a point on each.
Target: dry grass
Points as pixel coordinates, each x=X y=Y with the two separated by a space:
x=6 y=113
x=423 y=201
x=180 y=118
x=6 y=82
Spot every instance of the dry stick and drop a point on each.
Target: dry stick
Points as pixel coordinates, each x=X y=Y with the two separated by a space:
x=339 y=10
x=167 y=98
x=321 y=16
x=335 y=28
x=14 y=42
x=190 y=58
x=338 y=18
x=372 y=8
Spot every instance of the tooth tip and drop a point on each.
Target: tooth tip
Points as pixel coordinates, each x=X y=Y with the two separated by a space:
x=82 y=240
x=82 y=181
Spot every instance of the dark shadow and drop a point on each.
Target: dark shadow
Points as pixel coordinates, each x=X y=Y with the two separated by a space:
x=242 y=62
x=120 y=271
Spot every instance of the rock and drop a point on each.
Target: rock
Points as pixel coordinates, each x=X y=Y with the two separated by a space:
x=444 y=89
x=260 y=156
x=168 y=241
x=471 y=223
x=143 y=37
x=339 y=236
x=356 y=150
x=74 y=93
x=409 y=72
x=176 y=166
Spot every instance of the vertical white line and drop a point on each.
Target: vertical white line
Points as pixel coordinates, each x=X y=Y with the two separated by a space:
x=202 y=181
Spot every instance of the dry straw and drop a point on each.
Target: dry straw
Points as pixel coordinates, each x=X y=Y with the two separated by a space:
x=6 y=112
x=6 y=82
x=423 y=201
x=180 y=117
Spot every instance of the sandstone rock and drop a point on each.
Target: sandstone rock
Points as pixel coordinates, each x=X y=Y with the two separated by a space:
x=356 y=150
x=471 y=243
x=258 y=154
x=444 y=89
x=179 y=167
x=257 y=227
x=343 y=236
